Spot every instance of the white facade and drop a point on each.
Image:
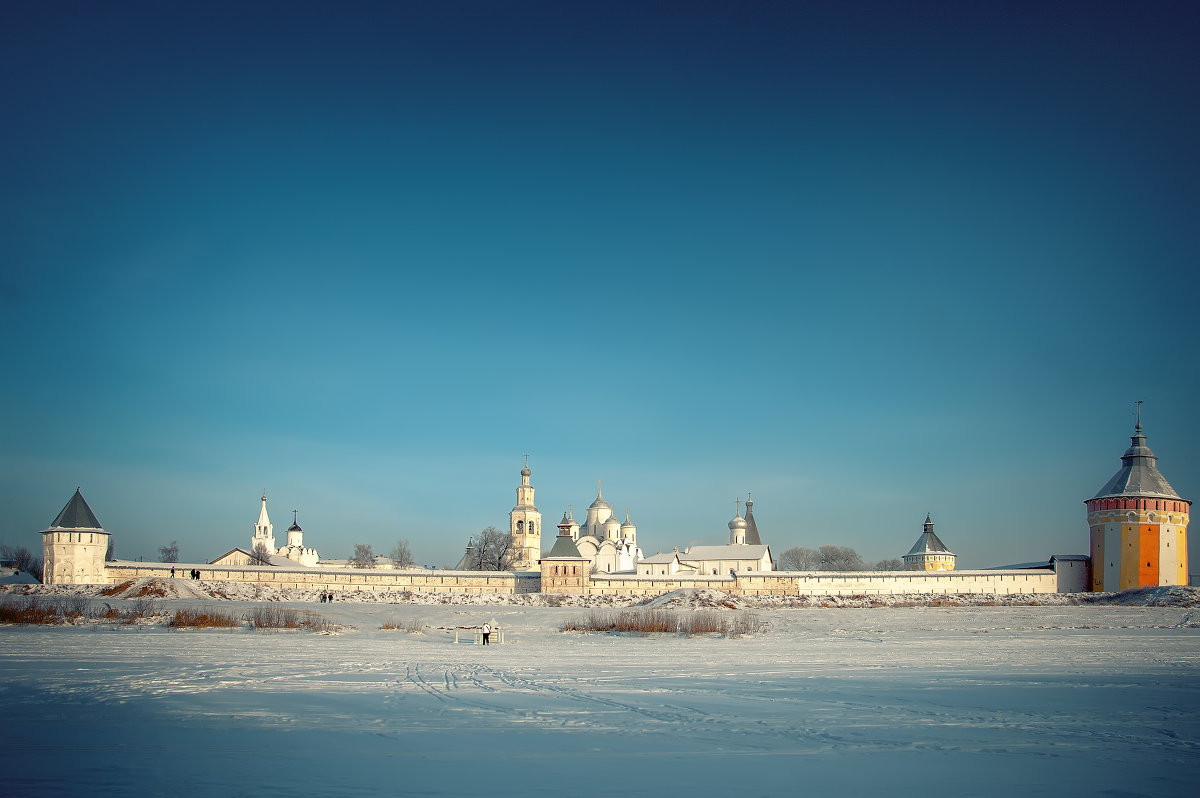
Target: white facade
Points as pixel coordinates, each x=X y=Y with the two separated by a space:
x=295 y=550
x=609 y=545
x=74 y=546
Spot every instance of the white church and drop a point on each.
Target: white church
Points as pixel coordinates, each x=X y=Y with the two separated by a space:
x=263 y=538
x=744 y=552
x=609 y=545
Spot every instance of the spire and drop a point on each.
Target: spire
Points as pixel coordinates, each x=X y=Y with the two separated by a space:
x=76 y=515
x=752 y=536
x=1139 y=474
x=263 y=518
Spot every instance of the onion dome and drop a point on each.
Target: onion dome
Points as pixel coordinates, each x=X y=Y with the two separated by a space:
x=525 y=471
x=628 y=524
x=737 y=523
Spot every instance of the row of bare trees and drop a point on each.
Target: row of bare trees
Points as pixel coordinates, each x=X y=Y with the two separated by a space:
x=832 y=558
x=23 y=560
x=364 y=555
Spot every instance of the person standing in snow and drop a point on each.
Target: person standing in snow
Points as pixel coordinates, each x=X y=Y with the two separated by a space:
x=487 y=632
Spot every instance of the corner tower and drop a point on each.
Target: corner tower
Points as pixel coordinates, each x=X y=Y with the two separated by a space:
x=74 y=546
x=929 y=553
x=1138 y=524
x=525 y=526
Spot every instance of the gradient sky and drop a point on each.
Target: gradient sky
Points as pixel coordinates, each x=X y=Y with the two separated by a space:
x=865 y=260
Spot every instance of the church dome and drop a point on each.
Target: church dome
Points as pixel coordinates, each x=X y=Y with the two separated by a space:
x=525 y=471
x=737 y=523
x=295 y=528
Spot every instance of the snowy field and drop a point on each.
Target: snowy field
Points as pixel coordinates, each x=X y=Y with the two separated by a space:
x=971 y=700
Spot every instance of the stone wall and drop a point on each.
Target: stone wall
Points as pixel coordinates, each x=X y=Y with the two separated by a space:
x=335 y=580
x=828 y=583
x=747 y=583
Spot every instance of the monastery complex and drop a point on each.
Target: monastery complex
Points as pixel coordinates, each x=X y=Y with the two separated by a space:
x=1137 y=523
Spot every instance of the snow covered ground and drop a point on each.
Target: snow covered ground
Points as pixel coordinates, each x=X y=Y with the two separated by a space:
x=966 y=700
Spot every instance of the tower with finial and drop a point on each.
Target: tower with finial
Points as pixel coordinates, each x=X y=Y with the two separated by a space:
x=264 y=531
x=74 y=546
x=525 y=526
x=1138 y=524
x=929 y=553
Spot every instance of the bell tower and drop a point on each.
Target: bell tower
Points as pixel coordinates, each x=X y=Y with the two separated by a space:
x=525 y=526
x=264 y=530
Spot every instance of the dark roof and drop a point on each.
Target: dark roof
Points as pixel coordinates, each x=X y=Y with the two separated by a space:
x=1138 y=475
x=928 y=543
x=76 y=515
x=752 y=538
x=564 y=546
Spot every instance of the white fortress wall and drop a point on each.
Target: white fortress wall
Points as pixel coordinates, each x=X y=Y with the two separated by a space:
x=751 y=583
x=499 y=582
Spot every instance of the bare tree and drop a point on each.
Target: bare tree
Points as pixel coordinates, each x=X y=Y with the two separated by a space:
x=111 y=553
x=169 y=553
x=21 y=557
x=401 y=556
x=261 y=554
x=363 y=556
x=23 y=560
x=840 y=558
x=892 y=564
x=799 y=558
x=490 y=550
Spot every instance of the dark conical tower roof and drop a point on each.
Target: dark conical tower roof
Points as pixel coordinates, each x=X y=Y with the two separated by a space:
x=752 y=538
x=1139 y=475
x=929 y=542
x=76 y=515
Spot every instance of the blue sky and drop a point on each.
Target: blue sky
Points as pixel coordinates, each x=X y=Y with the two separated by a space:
x=865 y=260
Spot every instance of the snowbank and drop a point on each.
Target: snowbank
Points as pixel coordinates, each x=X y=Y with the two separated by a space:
x=685 y=598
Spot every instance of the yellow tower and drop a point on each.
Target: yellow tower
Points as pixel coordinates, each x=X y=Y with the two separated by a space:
x=929 y=553
x=525 y=526
x=1138 y=524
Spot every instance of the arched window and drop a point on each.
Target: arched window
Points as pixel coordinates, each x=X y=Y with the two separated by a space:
x=520 y=526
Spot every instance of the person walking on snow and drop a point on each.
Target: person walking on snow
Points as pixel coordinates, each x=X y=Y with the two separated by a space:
x=487 y=632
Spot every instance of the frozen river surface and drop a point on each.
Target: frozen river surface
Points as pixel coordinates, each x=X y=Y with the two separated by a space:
x=1102 y=701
